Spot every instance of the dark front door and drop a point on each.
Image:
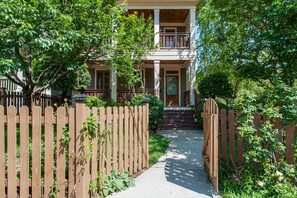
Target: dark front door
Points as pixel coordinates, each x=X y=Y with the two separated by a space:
x=172 y=98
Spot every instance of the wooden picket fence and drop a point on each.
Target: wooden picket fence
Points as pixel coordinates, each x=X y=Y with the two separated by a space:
x=222 y=141
x=35 y=158
x=232 y=146
x=12 y=98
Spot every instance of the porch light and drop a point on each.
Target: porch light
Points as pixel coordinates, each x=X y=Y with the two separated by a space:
x=79 y=98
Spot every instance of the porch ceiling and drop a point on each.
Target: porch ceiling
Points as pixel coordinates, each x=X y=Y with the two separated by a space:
x=166 y=16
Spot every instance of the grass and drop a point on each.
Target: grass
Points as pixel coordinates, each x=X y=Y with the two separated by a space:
x=157 y=147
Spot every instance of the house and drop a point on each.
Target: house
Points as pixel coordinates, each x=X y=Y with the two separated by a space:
x=168 y=72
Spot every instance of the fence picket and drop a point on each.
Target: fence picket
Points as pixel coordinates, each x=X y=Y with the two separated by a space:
x=108 y=141
x=115 y=139
x=71 y=153
x=147 y=135
x=2 y=152
x=135 y=126
x=131 y=127
x=49 y=151
x=231 y=135
x=24 y=149
x=139 y=139
x=126 y=136
x=11 y=151
x=223 y=134
x=102 y=139
x=290 y=144
x=36 y=152
x=94 y=168
x=121 y=139
x=60 y=152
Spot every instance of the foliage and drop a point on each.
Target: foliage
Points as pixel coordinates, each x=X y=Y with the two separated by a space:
x=54 y=191
x=133 y=41
x=216 y=84
x=249 y=39
x=111 y=103
x=270 y=176
x=158 y=145
x=156 y=108
x=94 y=101
x=90 y=127
x=48 y=40
x=74 y=80
x=199 y=109
x=65 y=137
x=115 y=182
x=241 y=182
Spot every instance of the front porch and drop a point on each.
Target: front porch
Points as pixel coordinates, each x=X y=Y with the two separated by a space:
x=170 y=80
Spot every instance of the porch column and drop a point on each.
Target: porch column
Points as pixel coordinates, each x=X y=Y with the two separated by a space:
x=193 y=29
x=157 y=26
x=114 y=84
x=157 y=78
x=192 y=81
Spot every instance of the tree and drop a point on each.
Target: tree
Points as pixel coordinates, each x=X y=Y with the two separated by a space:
x=216 y=84
x=49 y=39
x=251 y=39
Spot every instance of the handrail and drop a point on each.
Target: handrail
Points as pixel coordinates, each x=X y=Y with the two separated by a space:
x=174 y=40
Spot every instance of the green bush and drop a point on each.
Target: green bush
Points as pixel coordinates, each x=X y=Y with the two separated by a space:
x=270 y=176
x=94 y=101
x=215 y=85
x=156 y=108
x=199 y=109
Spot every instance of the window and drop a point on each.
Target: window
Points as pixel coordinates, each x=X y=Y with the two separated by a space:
x=102 y=80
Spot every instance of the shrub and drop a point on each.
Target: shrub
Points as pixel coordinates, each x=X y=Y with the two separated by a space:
x=199 y=109
x=111 y=103
x=94 y=101
x=215 y=85
x=156 y=108
x=272 y=177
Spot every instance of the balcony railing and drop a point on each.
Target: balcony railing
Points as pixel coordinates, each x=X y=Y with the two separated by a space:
x=174 y=40
x=100 y=93
x=122 y=94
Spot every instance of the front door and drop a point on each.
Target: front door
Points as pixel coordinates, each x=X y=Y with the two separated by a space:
x=172 y=96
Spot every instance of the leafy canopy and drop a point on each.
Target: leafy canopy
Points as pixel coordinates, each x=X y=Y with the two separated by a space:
x=250 y=39
x=216 y=84
x=50 y=39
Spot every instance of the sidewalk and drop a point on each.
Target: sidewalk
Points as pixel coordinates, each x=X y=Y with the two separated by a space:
x=178 y=174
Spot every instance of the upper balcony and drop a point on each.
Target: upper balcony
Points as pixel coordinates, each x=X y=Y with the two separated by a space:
x=174 y=32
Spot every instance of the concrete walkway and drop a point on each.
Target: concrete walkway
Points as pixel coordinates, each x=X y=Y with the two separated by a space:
x=178 y=174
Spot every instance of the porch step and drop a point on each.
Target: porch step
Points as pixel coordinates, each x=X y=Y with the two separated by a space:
x=178 y=119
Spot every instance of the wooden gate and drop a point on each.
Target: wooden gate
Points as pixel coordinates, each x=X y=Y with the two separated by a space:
x=210 y=151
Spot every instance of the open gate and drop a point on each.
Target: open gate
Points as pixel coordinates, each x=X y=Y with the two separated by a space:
x=210 y=150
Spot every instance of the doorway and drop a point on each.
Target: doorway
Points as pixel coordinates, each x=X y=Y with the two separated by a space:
x=172 y=90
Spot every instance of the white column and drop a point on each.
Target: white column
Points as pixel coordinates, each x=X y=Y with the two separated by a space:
x=157 y=26
x=114 y=84
x=192 y=81
x=157 y=78
x=193 y=28
x=20 y=76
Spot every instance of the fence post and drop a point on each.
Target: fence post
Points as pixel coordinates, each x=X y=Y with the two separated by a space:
x=82 y=170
